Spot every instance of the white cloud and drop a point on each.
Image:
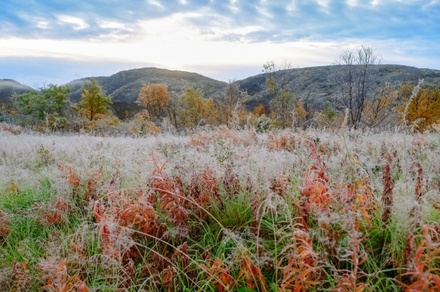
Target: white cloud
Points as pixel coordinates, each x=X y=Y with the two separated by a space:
x=113 y=30
x=38 y=22
x=324 y=6
x=352 y=3
x=241 y=30
x=233 y=6
x=431 y=4
x=323 y=3
x=43 y=24
x=262 y=9
x=112 y=24
x=155 y=3
x=78 y=23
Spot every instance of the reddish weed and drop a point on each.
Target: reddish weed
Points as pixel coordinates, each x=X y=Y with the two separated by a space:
x=420 y=188
x=419 y=191
x=54 y=213
x=93 y=183
x=72 y=177
x=21 y=276
x=139 y=216
x=252 y=274
x=280 y=185
x=220 y=275
x=284 y=141
x=204 y=188
x=423 y=266
x=315 y=195
x=299 y=264
x=57 y=278
x=170 y=198
x=4 y=225
x=387 y=193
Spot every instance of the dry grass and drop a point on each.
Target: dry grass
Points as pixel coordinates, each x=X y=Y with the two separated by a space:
x=222 y=210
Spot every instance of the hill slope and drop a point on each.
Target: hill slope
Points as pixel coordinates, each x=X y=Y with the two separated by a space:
x=316 y=83
x=9 y=87
x=124 y=86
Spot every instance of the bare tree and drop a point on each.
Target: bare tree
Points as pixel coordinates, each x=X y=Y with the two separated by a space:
x=355 y=79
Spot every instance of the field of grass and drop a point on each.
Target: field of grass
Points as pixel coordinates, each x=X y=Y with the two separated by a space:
x=220 y=210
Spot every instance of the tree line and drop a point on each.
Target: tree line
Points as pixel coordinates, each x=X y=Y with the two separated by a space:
x=358 y=104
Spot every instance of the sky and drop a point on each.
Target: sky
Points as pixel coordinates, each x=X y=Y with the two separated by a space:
x=56 y=41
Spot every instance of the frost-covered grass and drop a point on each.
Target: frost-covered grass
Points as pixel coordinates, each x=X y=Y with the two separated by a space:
x=220 y=210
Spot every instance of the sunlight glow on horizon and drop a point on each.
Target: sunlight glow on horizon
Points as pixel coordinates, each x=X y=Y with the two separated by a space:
x=212 y=38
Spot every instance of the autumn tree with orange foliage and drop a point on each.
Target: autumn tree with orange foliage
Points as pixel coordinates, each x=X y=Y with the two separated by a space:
x=300 y=113
x=421 y=109
x=259 y=110
x=379 y=110
x=155 y=98
x=195 y=110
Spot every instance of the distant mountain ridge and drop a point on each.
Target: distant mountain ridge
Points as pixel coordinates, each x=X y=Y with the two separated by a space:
x=312 y=83
x=125 y=85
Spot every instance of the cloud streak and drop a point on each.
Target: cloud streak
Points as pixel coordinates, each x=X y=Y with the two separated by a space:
x=197 y=34
x=314 y=18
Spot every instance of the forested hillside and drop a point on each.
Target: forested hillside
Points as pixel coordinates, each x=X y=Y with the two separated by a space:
x=374 y=95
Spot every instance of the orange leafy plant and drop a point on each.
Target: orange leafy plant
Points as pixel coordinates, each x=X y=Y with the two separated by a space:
x=72 y=177
x=423 y=268
x=221 y=277
x=55 y=213
x=300 y=263
x=4 y=225
x=252 y=274
x=315 y=195
x=57 y=279
x=171 y=198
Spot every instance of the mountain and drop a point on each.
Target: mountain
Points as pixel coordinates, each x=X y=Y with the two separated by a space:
x=123 y=87
x=9 y=87
x=316 y=84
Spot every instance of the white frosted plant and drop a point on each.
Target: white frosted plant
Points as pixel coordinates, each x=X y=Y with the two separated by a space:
x=22 y=156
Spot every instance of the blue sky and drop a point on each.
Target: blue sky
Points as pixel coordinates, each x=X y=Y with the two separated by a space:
x=56 y=41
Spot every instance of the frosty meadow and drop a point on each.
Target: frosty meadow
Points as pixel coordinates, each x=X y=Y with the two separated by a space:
x=221 y=210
